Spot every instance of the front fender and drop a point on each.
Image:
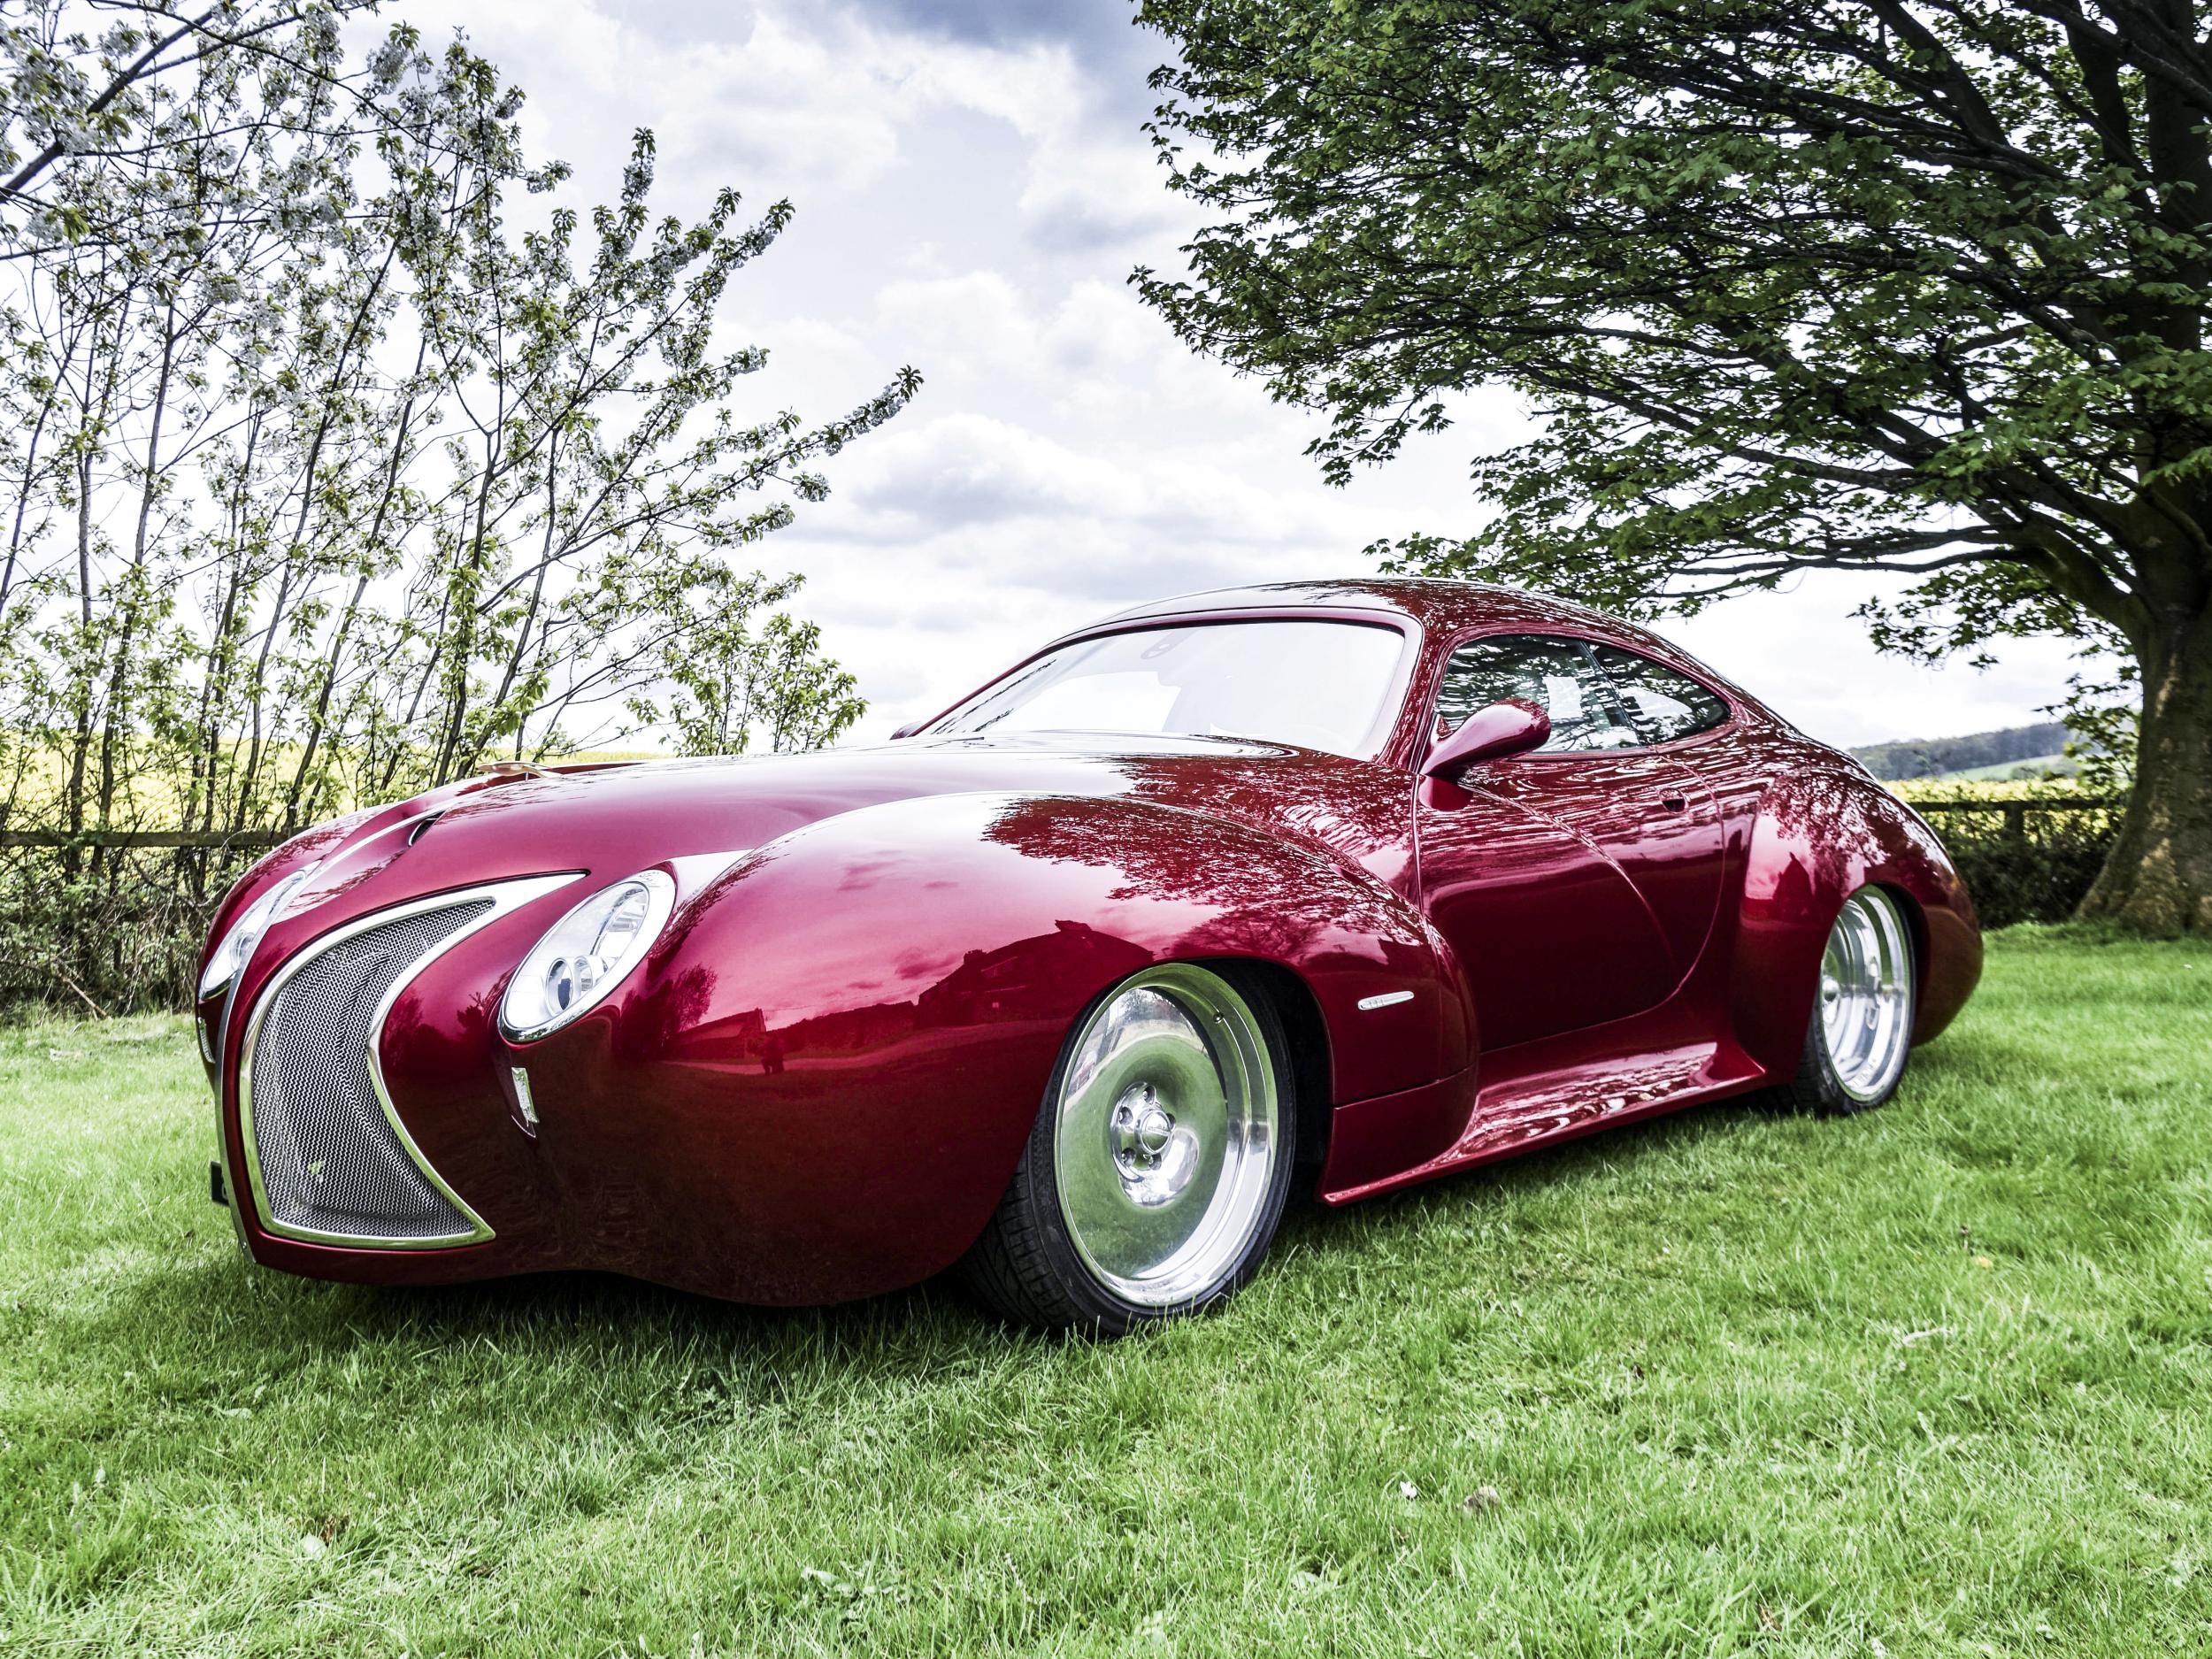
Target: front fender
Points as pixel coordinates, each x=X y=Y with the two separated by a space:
x=1047 y=900
x=1821 y=835
x=830 y=1066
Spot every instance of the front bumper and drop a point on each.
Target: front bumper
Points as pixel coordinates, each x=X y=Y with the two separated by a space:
x=662 y=1140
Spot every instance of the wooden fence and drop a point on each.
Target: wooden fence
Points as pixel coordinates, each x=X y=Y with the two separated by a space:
x=2026 y=858
x=2016 y=808
x=111 y=920
x=147 y=840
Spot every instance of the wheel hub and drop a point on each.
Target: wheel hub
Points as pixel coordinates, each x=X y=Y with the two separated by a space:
x=1155 y=1155
x=1142 y=1127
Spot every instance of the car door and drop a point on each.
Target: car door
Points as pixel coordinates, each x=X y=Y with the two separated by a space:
x=1669 y=708
x=1574 y=883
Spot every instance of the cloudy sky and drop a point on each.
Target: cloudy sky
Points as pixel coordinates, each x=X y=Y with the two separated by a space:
x=972 y=190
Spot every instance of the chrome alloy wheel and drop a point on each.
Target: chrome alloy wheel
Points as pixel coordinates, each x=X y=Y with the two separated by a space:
x=1866 y=994
x=1166 y=1135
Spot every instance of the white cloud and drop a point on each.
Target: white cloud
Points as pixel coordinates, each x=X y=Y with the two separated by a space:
x=1086 y=196
x=970 y=201
x=978 y=322
x=799 y=96
x=956 y=473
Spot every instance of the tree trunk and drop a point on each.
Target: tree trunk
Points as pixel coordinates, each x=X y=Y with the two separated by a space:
x=2158 y=876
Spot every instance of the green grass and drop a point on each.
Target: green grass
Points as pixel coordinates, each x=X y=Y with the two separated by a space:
x=1936 y=1380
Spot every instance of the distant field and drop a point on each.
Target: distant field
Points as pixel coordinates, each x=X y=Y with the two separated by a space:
x=155 y=801
x=1932 y=1381
x=153 y=798
x=1972 y=754
x=2003 y=771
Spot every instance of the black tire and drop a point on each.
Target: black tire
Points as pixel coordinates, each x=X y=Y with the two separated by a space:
x=1027 y=1267
x=1826 y=1084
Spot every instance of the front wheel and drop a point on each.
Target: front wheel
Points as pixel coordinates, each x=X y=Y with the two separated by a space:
x=1861 y=1032
x=1159 y=1163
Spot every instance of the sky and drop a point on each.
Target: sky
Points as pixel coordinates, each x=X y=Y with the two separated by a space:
x=973 y=188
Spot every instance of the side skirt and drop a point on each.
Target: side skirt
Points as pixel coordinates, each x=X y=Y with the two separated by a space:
x=1533 y=1094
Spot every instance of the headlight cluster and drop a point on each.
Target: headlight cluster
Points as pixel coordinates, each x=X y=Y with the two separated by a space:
x=246 y=932
x=581 y=958
x=585 y=955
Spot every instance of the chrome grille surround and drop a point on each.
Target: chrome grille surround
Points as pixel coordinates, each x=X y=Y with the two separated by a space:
x=327 y=1157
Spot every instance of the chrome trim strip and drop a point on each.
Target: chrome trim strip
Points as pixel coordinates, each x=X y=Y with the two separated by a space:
x=529 y=1106
x=506 y=896
x=1389 y=999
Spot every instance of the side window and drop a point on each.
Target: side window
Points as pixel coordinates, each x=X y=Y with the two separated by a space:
x=1554 y=674
x=1664 y=705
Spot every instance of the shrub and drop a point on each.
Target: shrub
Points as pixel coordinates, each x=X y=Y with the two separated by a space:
x=2027 y=853
x=106 y=930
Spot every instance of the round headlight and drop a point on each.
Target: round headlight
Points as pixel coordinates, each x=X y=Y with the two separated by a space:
x=245 y=933
x=584 y=956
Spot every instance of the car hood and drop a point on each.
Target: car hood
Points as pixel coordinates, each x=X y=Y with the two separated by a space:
x=611 y=819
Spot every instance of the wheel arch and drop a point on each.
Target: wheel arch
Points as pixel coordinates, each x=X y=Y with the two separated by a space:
x=1307 y=1034
x=1915 y=917
x=1821 y=835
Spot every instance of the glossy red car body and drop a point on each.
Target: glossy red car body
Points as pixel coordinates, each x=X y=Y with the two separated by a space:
x=816 y=1085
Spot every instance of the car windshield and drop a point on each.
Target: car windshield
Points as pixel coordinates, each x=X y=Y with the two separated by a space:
x=1320 y=685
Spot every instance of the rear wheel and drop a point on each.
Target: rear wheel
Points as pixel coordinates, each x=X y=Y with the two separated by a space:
x=1861 y=1031
x=1157 y=1169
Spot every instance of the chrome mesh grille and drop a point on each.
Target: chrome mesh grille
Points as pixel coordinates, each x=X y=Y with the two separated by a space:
x=329 y=1160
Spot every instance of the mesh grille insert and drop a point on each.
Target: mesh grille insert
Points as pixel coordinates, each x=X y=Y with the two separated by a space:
x=329 y=1160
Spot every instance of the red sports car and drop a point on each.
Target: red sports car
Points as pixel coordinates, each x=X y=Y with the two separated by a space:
x=1376 y=879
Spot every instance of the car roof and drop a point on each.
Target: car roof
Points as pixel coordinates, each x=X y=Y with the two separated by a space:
x=1439 y=605
x=1436 y=607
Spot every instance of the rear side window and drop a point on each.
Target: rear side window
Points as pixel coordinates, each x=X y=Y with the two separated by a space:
x=1555 y=675
x=1663 y=705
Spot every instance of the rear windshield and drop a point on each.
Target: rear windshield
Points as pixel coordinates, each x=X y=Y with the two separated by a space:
x=1320 y=685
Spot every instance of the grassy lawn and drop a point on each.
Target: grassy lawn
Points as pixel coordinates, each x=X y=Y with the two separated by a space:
x=1936 y=1380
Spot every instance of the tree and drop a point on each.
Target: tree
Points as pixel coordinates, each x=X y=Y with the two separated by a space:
x=322 y=482
x=143 y=88
x=1917 y=287
x=738 y=675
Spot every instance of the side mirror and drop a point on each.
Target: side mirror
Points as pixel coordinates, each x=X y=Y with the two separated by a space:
x=910 y=727
x=1491 y=734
